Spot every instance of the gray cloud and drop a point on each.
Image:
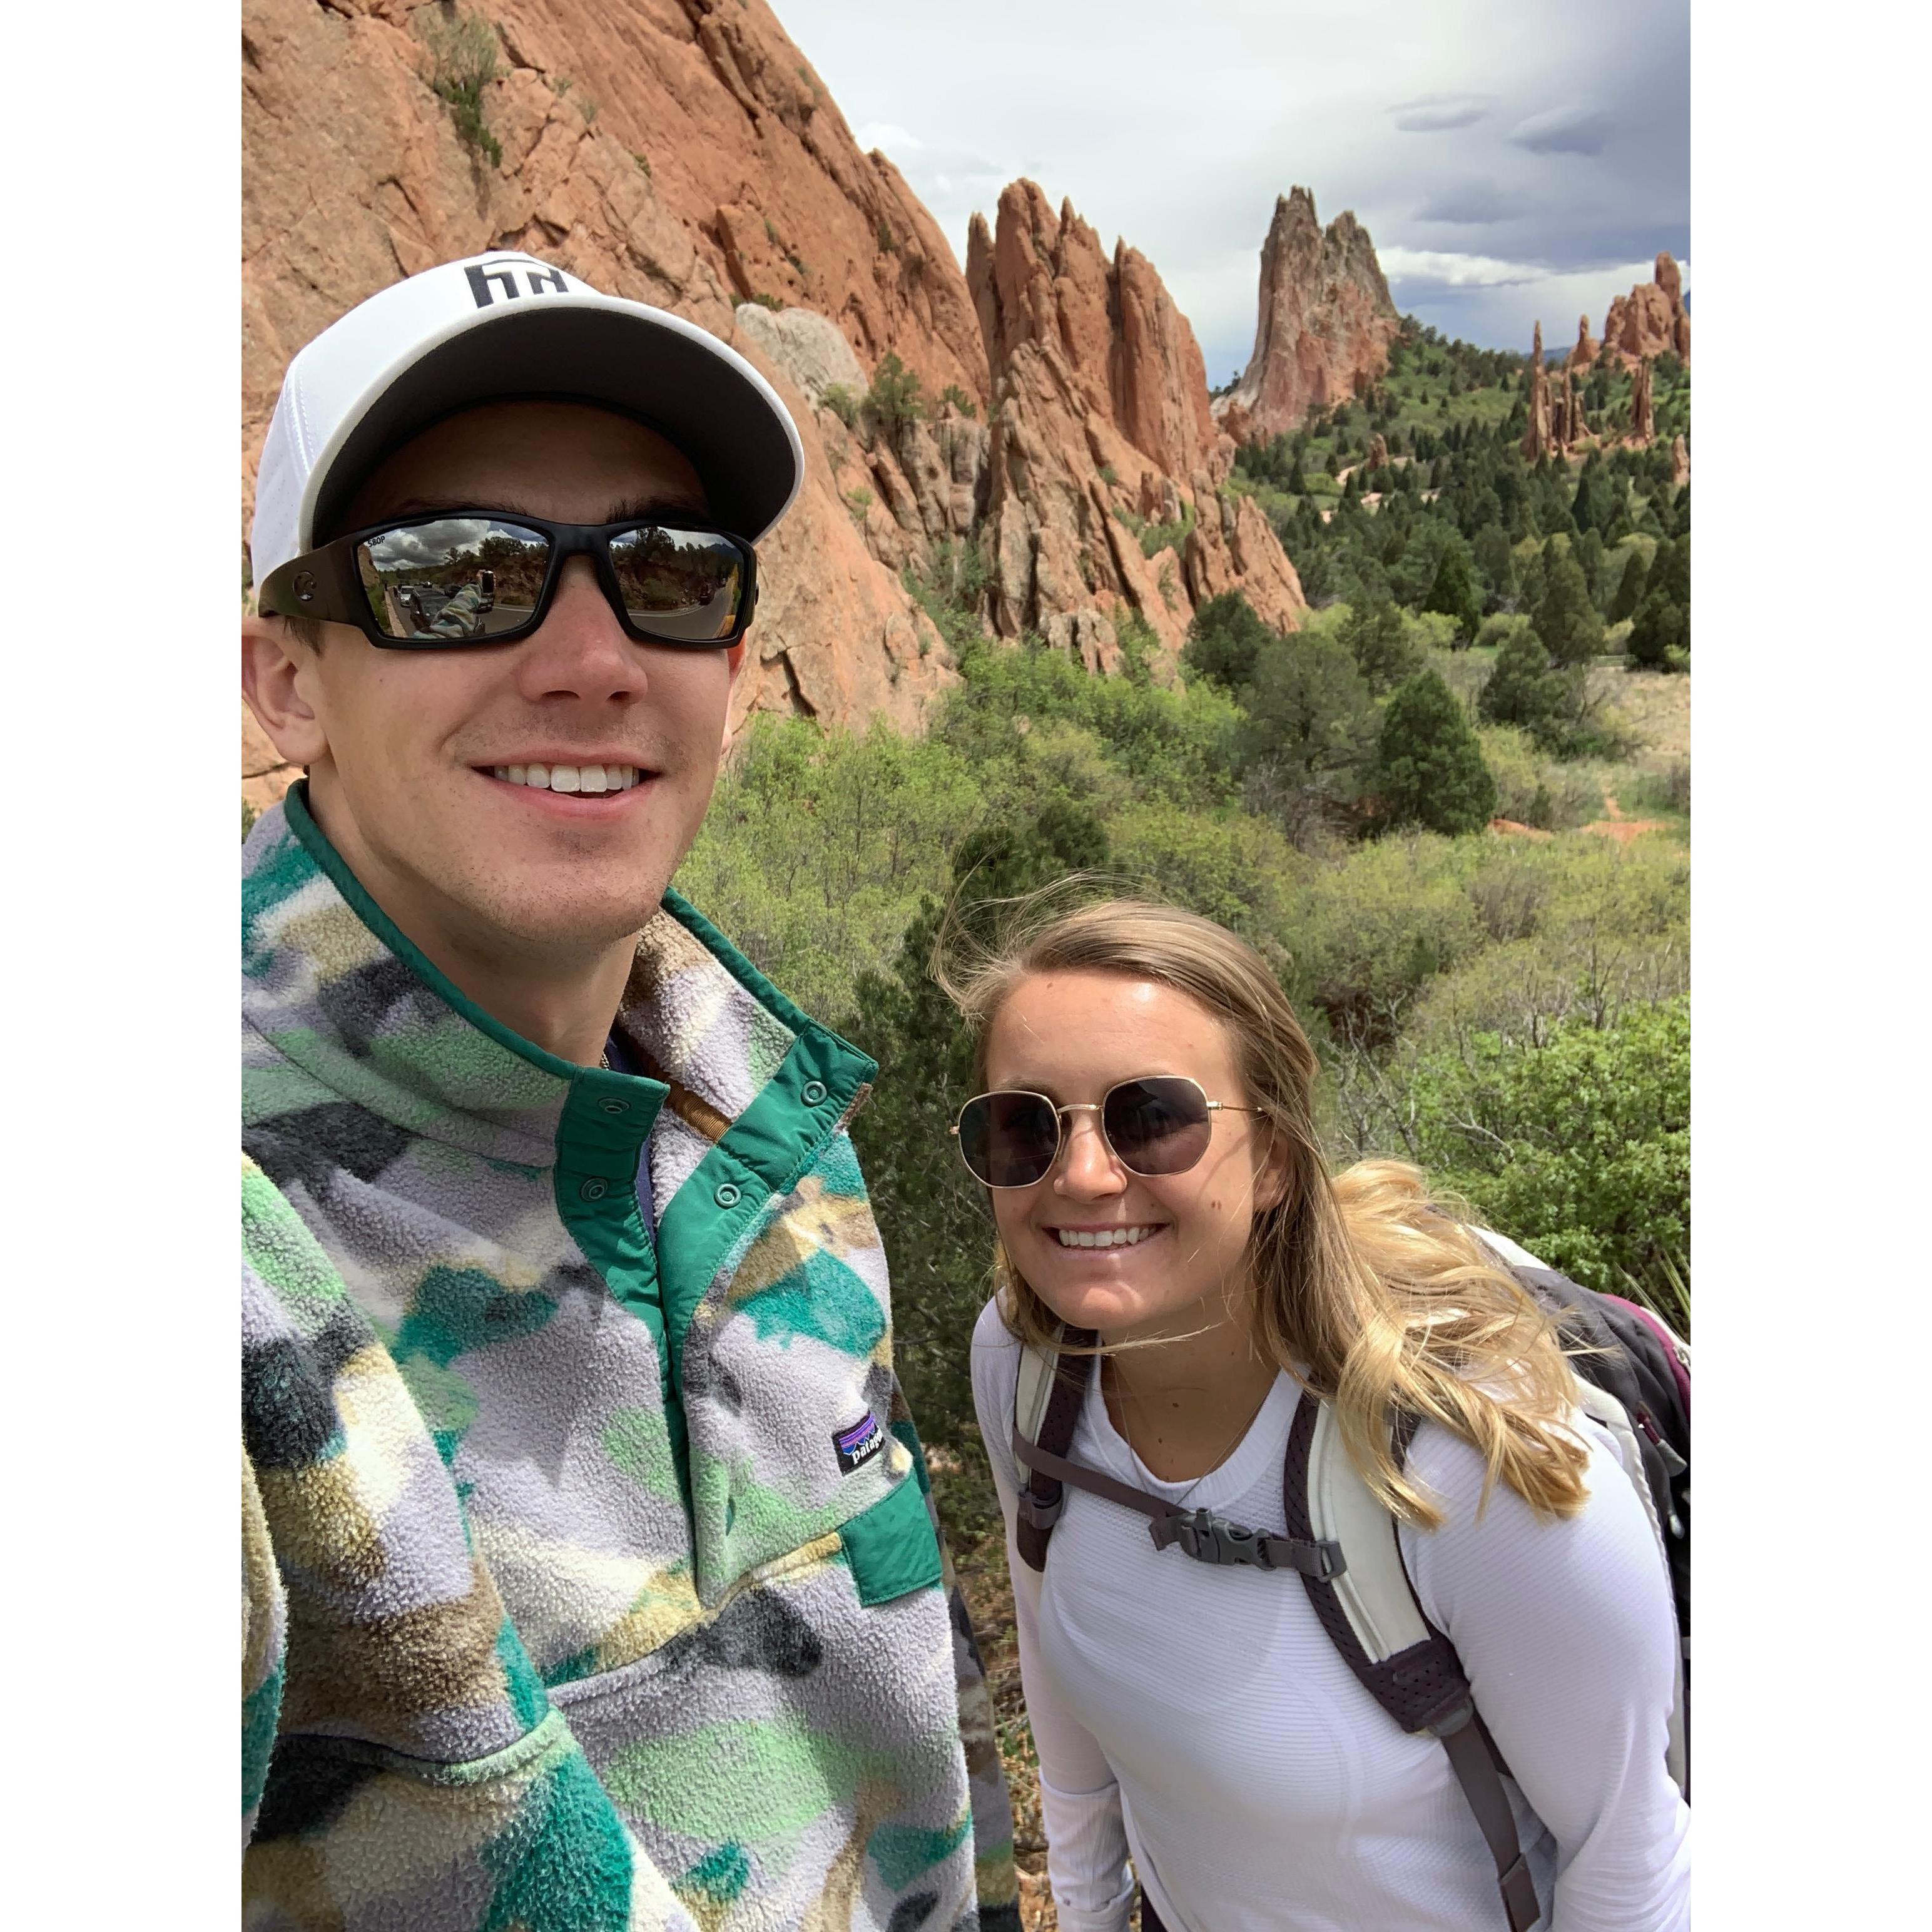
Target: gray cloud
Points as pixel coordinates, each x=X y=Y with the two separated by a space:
x=1439 y=113
x=1474 y=205
x=1563 y=130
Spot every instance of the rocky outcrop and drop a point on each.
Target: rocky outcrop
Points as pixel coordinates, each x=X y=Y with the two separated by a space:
x=1642 y=429
x=1378 y=455
x=1680 y=460
x=1325 y=326
x=1539 y=435
x=1100 y=430
x=679 y=151
x=1650 y=319
x=1554 y=407
x=1584 y=353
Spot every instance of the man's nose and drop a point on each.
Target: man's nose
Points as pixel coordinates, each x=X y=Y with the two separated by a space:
x=1087 y=1167
x=580 y=650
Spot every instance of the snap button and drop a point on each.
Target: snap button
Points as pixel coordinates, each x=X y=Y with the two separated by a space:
x=727 y=1195
x=615 y=1106
x=814 y=1092
x=592 y=1190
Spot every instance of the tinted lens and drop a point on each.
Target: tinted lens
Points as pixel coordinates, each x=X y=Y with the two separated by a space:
x=452 y=580
x=1159 y=1126
x=684 y=587
x=1009 y=1140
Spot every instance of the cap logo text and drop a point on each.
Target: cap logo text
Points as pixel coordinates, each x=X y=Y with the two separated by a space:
x=484 y=282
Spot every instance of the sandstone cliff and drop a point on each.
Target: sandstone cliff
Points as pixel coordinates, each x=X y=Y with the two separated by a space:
x=1650 y=319
x=1325 y=326
x=1100 y=427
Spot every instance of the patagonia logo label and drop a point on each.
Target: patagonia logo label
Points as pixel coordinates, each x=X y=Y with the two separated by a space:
x=856 y=1446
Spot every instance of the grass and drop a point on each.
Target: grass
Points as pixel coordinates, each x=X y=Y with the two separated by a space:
x=462 y=51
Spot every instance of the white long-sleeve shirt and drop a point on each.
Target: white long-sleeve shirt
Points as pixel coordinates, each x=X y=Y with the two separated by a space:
x=1198 y=1720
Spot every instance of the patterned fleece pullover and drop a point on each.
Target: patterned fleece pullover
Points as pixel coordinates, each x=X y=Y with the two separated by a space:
x=589 y=1576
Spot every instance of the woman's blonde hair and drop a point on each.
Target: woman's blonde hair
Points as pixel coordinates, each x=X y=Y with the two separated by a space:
x=1370 y=1293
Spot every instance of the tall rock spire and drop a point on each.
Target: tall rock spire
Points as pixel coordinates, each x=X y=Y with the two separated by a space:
x=1325 y=323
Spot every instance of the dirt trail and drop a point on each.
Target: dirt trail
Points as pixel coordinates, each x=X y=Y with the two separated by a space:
x=1617 y=826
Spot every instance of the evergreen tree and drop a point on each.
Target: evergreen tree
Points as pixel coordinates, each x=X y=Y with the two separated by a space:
x=1429 y=765
x=1311 y=719
x=1565 y=619
x=1454 y=593
x=1224 y=640
x=1660 y=639
x=1526 y=690
x=1630 y=586
x=931 y=1213
x=1498 y=565
x=1378 y=640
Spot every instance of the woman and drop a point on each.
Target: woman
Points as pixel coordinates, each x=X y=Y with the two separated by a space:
x=1198 y=1720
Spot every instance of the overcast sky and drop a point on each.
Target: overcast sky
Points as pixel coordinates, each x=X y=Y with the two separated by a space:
x=1512 y=159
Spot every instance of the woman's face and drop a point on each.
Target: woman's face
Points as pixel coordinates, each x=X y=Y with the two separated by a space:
x=1072 y=1036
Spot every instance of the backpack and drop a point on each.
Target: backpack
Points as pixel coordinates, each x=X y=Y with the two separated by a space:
x=1634 y=1374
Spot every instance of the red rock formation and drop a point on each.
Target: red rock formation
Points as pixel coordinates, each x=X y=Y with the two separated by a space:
x=1100 y=415
x=1325 y=327
x=1378 y=455
x=1584 y=353
x=1680 y=460
x=679 y=151
x=1643 y=425
x=1539 y=436
x=1650 y=319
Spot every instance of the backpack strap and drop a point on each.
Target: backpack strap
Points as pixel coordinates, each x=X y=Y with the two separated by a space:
x=1046 y=1408
x=1369 y=1610
x=1048 y=1396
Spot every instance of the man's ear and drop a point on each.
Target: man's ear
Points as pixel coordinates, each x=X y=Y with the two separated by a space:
x=278 y=682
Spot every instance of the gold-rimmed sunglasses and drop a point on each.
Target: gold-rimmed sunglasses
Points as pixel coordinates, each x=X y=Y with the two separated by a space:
x=1157 y=1125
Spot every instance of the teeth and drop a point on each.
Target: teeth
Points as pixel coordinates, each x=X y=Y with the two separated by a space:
x=569 y=777
x=1104 y=1237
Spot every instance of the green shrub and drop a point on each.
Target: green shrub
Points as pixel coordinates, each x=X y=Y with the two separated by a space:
x=1310 y=717
x=843 y=404
x=1429 y=767
x=1578 y=1148
x=462 y=51
x=775 y=303
x=1659 y=638
x=953 y=394
x=893 y=398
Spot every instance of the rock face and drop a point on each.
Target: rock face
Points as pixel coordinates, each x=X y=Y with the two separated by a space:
x=1325 y=326
x=1650 y=319
x=1643 y=425
x=678 y=151
x=1584 y=353
x=1680 y=459
x=1100 y=426
x=1556 y=424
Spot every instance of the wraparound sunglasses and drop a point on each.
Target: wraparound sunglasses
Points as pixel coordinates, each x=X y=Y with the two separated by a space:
x=1157 y=1125
x=465 y=577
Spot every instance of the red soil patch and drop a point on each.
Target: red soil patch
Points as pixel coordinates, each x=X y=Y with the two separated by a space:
x=1510 y=828
x=1622 y=829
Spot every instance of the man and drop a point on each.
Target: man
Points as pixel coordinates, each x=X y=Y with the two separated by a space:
x=589 y=1576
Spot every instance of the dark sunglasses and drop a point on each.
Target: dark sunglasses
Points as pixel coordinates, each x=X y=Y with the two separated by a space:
x=1159 y=1124
x=482 y=577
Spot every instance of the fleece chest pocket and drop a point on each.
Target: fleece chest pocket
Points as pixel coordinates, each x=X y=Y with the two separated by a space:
x=891 y=1546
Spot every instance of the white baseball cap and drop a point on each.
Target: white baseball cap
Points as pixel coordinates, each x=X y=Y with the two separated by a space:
x=506 y=325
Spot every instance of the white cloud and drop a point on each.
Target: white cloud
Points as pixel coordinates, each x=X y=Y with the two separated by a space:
x=1180 y=142
x=1439 y=113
